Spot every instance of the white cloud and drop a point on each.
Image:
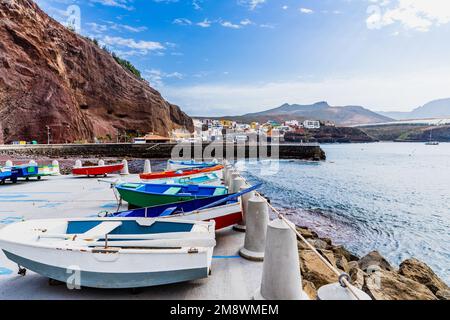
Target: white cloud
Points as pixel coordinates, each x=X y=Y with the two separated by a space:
x=204 y=24
x=251 y=4
x=196 y=4
x=400 y=92
x=418 y=15
x=306 y=10
x=246 y=22
x=228 y=24
x=267 y=26
x=97 y=28
x=182 y=22
x=156 y=77
x=285 y=7
x=114 y=3
x=144 y=46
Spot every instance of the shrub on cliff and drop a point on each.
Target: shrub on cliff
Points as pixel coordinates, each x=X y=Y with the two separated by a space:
x=127 y=65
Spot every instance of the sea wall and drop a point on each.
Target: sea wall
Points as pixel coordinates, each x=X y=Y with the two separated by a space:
x=168 y=150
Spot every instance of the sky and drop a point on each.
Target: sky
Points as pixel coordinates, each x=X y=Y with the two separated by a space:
x=231 y=57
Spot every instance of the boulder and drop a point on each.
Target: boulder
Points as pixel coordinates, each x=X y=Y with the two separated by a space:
x=389 y=285
x=443 y=294
x=357 y=277
x=418 y=271
x=374 y=258
x=340 y=250
x=342 y=263
x=314 y=270
x=318 y=244
x=310 y=289
x=306 y=233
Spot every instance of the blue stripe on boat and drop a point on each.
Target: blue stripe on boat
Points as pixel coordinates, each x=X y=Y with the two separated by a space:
x=130 y=227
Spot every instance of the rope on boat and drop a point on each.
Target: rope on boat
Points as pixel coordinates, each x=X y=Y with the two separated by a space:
x=343 y=277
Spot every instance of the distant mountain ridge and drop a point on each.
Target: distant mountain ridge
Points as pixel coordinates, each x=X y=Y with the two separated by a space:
x=435 y=109
x=344 y=116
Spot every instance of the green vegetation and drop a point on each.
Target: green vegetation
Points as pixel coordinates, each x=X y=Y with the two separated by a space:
x=127 y=65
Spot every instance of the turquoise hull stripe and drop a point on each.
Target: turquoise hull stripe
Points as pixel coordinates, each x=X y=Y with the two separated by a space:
x=130 y=227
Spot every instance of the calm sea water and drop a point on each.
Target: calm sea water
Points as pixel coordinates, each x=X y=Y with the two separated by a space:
x=390 y=197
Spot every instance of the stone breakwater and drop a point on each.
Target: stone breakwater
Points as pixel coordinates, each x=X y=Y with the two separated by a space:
x=165 y=151
x=413 y=280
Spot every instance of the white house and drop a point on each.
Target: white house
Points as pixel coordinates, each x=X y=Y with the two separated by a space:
x=311 y=124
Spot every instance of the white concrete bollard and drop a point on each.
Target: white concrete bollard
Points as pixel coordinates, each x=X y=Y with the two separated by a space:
x=55 y=168
x=78 y=164
x=226 y=170
x=238 y=182
x=169 y=166
x=257 y=219
x=101 y=162
x=281 y=278
x=147 y=166
x=335 y=291
x=125 y=170
x=8 y=163
x=233 y=176
x=228 y=177
x=244 y=205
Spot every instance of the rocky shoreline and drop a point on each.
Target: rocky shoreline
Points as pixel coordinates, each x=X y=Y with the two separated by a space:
x=373 y=274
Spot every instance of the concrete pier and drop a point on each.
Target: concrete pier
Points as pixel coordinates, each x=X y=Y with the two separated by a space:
x=164 y=150
x=232 y=277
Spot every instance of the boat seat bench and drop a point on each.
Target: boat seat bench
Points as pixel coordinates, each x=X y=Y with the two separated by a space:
x=172 y=190
x=103 y=228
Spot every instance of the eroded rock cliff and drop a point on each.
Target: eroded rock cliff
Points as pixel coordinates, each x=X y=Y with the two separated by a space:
x=50 y=76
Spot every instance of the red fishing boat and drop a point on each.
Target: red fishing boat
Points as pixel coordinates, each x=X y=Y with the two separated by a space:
x=97 y=170
x=179 y=173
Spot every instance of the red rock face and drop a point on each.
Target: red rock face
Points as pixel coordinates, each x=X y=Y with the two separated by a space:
x=50 y=76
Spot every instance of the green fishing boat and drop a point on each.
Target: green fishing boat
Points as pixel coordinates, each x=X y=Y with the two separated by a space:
x=148 y=194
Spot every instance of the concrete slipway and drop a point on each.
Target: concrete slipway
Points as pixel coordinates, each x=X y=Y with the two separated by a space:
x=65 y=196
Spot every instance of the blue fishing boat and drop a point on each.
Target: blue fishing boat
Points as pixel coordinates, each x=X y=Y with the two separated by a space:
x=147 y=194
x=25 y=171
x=207 y=178
x=175 y=165
x=225 y=210
x=5 y=173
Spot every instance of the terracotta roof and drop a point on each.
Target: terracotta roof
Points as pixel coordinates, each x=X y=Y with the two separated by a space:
x=154 y=137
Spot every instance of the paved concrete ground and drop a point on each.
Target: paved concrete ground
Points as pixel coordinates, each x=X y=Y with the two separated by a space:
x=65 y=196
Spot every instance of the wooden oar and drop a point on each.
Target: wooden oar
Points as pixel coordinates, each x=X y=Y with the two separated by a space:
x=231 y=197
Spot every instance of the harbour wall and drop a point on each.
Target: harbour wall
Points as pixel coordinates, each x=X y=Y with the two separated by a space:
x=169 y=150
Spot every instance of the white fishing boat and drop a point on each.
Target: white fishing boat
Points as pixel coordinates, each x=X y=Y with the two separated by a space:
x=112 y=252
x=432 y=142
x=212 y=179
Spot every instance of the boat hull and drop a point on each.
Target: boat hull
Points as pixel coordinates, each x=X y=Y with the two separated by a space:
x=141 y=200
x=97 y=170
x=124 y=263
x=179 y=174
x=224 y=216
x=108 y=280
